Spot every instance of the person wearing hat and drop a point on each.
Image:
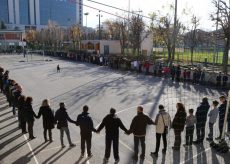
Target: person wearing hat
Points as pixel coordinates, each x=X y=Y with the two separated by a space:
x=212 y=119
x=112 y=124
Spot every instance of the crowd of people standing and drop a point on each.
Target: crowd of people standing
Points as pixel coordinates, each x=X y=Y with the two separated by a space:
x=112 y=123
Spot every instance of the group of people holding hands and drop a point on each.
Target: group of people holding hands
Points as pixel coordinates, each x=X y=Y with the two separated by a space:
x=112 y=122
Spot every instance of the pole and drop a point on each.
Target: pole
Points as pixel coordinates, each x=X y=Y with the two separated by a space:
x=174 y=32
x=128 y=26
x=99 y=25
x=216 y=42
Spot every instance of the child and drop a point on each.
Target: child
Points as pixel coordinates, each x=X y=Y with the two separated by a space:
x=212 y=119
x=190 y=122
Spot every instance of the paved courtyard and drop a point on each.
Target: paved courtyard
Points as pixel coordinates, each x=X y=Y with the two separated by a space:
x=100 y=88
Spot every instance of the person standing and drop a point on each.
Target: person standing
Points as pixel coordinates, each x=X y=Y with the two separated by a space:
x=162 y=122
x=22 y=113
x=62 y=118
x=48 y=119
x=178 y=73
x=225 y=79
x=138 y=128
x=218 y=79
x=173 y=72
x=30 y=115
x=201 y=117
x=112 y=124
x=222 y=110
x=58 y=68
x=190 y=122
x=86 y=125
x=178 y=124
x=212 y=119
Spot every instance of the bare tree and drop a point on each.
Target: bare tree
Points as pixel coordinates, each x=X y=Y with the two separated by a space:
x=222 y=17
x=136 y=28
x=191 y=38
x=75 y=35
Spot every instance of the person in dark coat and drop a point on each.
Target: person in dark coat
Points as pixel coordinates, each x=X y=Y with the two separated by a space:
x=173 y=72
x=218 y=79
x=62 y=118
x=225 y=79
x=48 y=119
x=178 y=73
x=58 y=68
x=112 y=124
x=138 y=128
x=22 y=113
x=86 y=125
x=222 y=110
x=30 y=115
x=201 y=118
x=178 y=125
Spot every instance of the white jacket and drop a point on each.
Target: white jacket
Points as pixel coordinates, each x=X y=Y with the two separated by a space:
x=159 y=121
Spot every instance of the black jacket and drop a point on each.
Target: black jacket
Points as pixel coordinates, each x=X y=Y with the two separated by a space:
x=86 y=124
x=112 y=124
x=29 y=113
x=179 y=121
x=61 y=116
x=222 y=110
x=21 y=111
x=48 y=117
x=202 y=112
x=139 y=124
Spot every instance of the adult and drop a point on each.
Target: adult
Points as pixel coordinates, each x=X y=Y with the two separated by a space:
x=22 y=113
x=173 y=72
x=138 y=128
x=222 y=110
x=225 y=79
x=162 y=122
x=58 y=68
x=48 y=119
x=30 y=115
x=86 y=125
x=178 y=73
x=62 y=118
x=178 y=124
x=112 y=124
x=218 y=79
x=201 y=118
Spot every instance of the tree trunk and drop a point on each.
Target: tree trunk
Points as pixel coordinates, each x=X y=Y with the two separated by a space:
x=169 y=55
x=225 y=56
x=192 y=49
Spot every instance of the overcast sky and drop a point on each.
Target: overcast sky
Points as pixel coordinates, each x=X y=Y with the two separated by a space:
x=201 y=8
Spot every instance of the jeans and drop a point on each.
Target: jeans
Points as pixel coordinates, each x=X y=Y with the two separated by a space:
x=30 y=128
x=158 y=141
x=86 y=140
x=189 y=135
x=136 y=145
x=45 y=134
x=108 y=141
x=177 y=141
x=210 y=135
x=66 y=130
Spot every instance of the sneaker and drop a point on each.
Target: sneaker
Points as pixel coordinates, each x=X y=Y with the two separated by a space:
x=72 y=145
x=51 y=140
x=90 y=155
x=117 y=160
x=62 y=146
x=154 y=154
x=31 y=138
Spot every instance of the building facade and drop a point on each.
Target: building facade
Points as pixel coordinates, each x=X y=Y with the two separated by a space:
x=38 y=12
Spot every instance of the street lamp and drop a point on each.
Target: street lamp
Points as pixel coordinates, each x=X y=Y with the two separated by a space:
x=86 y=14
x=99 y=16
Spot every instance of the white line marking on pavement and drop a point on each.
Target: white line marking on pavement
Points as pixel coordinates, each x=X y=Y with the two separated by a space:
x=195 y=156
x=31 y=150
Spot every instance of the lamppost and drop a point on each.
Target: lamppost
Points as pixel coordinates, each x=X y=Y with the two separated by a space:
x=99 y=27
x=174 y=32
x=86 y=14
